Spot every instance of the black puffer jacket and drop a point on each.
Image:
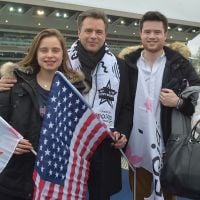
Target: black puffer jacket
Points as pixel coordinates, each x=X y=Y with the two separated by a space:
x=20 y=108
x=177 y=68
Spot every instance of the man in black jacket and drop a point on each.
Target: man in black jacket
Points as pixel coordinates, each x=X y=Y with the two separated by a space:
x=107 y=93
x=158 y=75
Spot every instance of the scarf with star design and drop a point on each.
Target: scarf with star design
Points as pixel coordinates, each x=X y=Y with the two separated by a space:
x=102 y=96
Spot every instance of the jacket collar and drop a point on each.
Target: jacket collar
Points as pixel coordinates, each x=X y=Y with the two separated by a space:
x=171 y=55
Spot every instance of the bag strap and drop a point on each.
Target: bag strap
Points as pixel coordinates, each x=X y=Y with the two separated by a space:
x=193 y=131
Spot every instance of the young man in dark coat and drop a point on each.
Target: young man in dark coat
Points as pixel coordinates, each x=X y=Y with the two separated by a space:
x=158 y=74
x=107 y=93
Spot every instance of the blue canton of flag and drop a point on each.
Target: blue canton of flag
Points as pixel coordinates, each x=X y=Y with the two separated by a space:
x=69 y=136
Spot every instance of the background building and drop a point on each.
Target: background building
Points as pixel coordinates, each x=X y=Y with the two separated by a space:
x=20 y=20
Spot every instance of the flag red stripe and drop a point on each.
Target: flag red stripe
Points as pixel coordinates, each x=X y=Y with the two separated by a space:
x=71 y=176
x=60 y=194
x=77 y=191
x=50 y=191
x=83 y=130
x=76 y=145
x=103 y=136
x=41 y=187
x=95 y=141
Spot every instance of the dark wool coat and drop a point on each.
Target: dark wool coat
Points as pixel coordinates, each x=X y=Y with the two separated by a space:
x=105 y=174
x=176 y=69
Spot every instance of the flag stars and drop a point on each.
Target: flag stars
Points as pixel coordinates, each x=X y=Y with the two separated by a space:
x=70 y=133
x=50 y=173
x=70 y=95
x=64 y=99
x=48 y=115
x=69 y=114
x=42 y=169
x=69 y=123
x=64 y=119
x=44 y=131
x=55 y=165
x=64 y=89
x=53 y=99
x=51 y=125
x=77 y=101
x=58 y=149
x=76 y=110
x=61 y=134
x=47 y=152
x=49 y=163
x=64 y=152
x=83 y=107
x=57 y=83
x=45 y=141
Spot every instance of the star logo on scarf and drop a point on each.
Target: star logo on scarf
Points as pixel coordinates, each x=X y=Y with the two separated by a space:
x=148 y=105
x=106 y=94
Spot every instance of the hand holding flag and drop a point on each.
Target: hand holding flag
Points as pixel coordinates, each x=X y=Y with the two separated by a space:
x=8 y=142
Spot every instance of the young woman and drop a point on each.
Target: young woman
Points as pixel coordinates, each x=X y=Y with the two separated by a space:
x=24 y=107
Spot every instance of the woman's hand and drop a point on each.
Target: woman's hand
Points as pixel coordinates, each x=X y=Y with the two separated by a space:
x=24 y=146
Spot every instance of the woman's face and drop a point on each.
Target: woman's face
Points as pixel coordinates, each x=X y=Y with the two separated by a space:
x=50 y=54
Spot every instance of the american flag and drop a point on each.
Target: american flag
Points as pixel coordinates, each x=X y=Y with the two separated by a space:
x=69 y=136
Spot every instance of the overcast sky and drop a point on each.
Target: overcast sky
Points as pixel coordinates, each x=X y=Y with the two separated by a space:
x=188 y=10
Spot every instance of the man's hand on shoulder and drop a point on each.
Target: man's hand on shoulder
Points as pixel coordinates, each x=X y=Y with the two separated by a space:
x=6 y=83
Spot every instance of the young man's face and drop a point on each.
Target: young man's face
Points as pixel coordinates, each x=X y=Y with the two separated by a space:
x=153 y=36
x=92 y=34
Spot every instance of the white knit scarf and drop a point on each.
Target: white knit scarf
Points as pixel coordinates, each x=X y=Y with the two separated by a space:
x=102 y=97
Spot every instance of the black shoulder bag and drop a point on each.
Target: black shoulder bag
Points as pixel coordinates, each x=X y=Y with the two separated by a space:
x=180 y=174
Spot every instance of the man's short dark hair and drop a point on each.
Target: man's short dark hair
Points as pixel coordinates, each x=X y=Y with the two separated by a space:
x=93 y=13
x=154 y=16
